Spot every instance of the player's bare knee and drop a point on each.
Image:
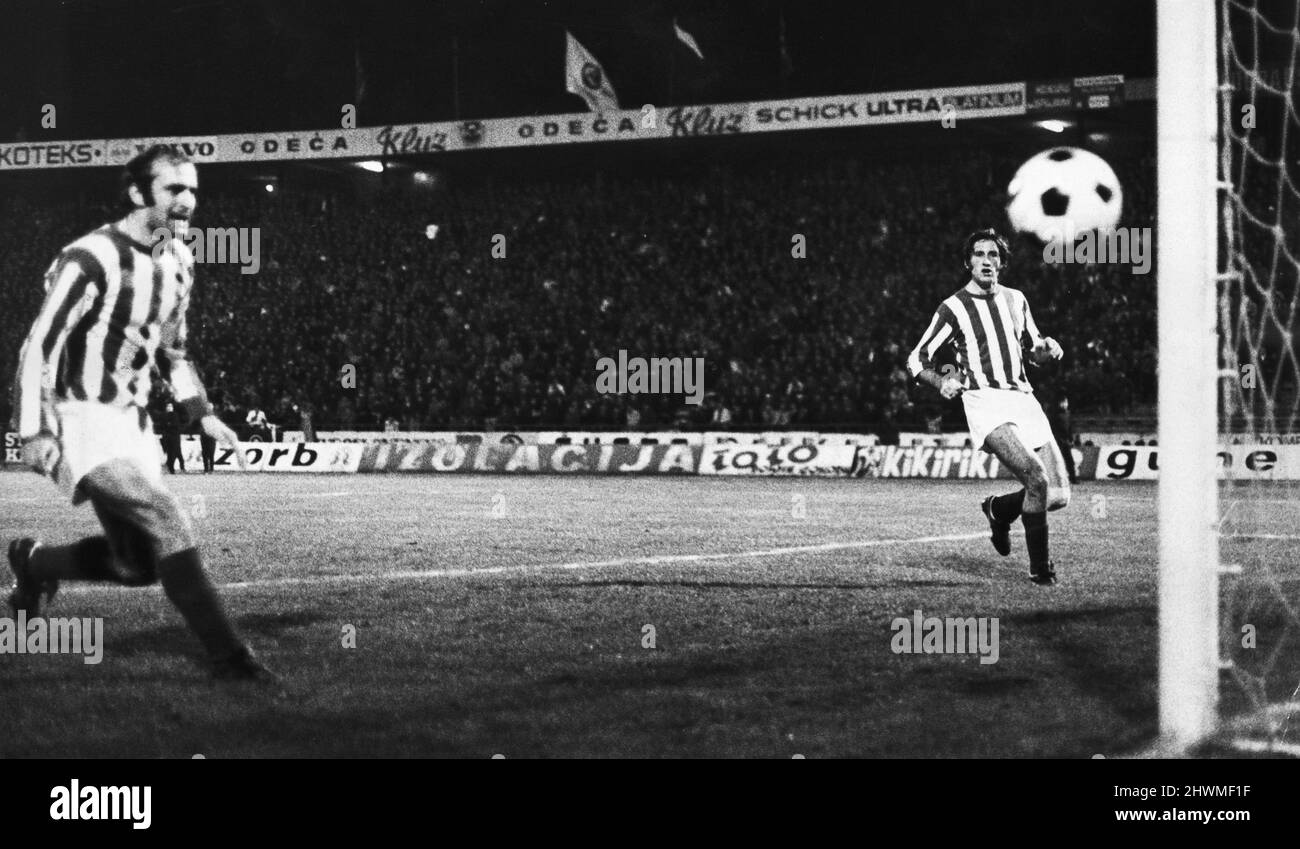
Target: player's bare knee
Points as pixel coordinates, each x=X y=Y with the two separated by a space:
x=1036 y=483
x=169 y=526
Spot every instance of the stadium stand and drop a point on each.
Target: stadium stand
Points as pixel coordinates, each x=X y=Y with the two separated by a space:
x=695 y=262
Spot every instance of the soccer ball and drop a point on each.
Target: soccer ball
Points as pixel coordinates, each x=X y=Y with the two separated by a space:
x=1064 y=191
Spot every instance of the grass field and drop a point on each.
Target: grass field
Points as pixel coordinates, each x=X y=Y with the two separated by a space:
x=506 y=615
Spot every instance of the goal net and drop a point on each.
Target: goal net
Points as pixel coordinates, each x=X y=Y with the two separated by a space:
x=1259 y=405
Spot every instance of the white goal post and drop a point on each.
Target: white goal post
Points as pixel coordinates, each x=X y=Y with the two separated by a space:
x=1187 y=245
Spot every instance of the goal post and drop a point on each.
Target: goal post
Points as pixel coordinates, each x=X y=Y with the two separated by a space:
x=1186 y=246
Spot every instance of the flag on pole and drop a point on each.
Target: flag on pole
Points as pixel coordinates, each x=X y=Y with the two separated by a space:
x=584 y=77
x=689 y=40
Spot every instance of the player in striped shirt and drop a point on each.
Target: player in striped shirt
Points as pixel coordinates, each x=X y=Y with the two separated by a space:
x=993 y=331
x=114 y=310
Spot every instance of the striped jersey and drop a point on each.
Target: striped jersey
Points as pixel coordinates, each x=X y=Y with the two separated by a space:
x=990 y=332
x=114 y=309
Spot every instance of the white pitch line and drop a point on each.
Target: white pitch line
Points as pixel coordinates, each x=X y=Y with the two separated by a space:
x=657 y=560
x=285 y=496
x=1295 y=502
x=1260 y=536
x=1285 y=748
x=214 y=497
x=425 y=574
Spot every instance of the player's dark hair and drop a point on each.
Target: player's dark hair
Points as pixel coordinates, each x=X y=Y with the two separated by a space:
x=139 y=172
x=990 y=235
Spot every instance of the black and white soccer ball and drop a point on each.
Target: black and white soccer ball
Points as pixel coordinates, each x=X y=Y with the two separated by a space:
x=1063 y=193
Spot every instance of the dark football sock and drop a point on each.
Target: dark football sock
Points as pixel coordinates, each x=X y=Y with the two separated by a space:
x=188 y=587
x=1006 y=508
x=89 y=559
x=1036 y=536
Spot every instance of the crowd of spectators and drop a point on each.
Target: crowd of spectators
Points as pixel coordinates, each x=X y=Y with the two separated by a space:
x=438 y=330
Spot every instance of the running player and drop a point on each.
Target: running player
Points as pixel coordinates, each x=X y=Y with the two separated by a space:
x=991 y=327
x=114 y=309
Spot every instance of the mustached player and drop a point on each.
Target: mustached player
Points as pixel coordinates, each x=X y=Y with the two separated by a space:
x=114 y=310
x=993 y=332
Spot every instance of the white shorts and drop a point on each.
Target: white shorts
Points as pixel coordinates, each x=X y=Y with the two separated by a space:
x=986 y=409
x=91 y=434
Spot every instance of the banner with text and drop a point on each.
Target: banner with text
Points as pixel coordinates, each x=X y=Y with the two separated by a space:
x=800 y=459
x=1238 y=462
x=277 y=457
x=536 y=459
x=11 y=453
x=710 y=120
x=895 y=107
x=932 y=461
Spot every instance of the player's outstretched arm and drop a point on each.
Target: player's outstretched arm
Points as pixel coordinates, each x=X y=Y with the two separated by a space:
x=215 y=428
x=920 y=363
x=41 y=452
x=174 y=365
x=72 y=287
x=1041 y=348
x=949 y=387
x=1046 y=349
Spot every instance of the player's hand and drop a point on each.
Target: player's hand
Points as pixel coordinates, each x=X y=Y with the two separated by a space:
x=1048 y=349
x=950 y=388
x=216 y=429
x=42 y=453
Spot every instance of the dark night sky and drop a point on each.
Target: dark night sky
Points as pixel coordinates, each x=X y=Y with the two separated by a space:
x=117 y=68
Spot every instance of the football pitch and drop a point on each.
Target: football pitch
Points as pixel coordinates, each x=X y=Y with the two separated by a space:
x=471 y=616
